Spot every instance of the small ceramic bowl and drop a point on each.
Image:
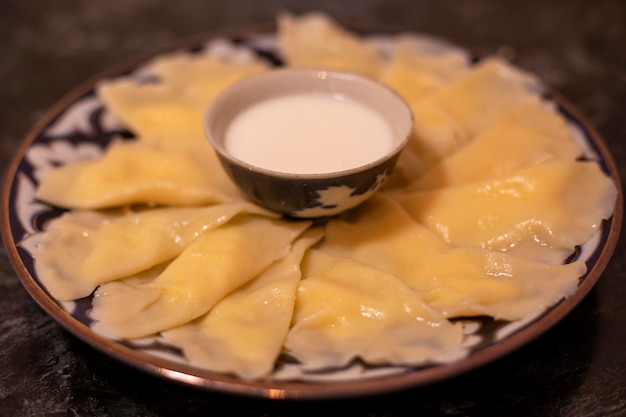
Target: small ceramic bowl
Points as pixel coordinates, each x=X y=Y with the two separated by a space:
x=314 y=194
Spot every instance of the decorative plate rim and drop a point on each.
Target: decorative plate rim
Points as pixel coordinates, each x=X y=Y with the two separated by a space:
x=277 y=389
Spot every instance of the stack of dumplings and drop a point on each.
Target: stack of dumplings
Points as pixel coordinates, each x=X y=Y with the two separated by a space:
x=488 y=200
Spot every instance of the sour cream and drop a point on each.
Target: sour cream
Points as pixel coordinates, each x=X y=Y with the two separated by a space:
x=308 y=134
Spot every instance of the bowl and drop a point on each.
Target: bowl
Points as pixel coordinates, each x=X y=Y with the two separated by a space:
x=308 y=143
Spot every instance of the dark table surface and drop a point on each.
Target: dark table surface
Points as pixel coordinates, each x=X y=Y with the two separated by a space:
x=577 y=368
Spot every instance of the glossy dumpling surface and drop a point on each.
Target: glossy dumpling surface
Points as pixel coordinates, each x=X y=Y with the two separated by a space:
x=529 y=135
x=454 y=281
x=347 y=310
x=244 y=333
x=448 y=119
x=176 y=94
x=540 y=212
x=315 y=40
x=138 y=173
x=108 y=246
x=212 y=266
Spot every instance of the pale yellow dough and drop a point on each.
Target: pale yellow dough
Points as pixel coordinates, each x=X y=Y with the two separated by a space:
x=540 y=212
x=420 y=66
x=314 y=40
x=139 y=173
x=109 y=246
x=448 y=119
x=347 y=310
x=213 y=265
x=244 y=333
x=531 y=134
x=173 y=105
x=454 y=281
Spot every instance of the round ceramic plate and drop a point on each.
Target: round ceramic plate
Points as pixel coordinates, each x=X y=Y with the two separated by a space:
x=79 y=126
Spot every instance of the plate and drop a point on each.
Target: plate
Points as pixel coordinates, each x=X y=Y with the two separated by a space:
x=78 y=126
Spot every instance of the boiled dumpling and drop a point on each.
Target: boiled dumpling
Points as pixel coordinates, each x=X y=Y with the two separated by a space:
x=139 y=173
x=244 y=333
x=110 y=246
x=448 y=119
x=315 y=40
x=420 y=65
x=436 y=134
x=454 y=281
x=492 y=88
x=213 y=265
x=169 y=162
x=347 y=310
x=540 y=212
x=530 y=135
x=174 y=103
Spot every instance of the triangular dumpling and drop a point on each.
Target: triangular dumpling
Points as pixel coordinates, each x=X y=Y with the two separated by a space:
x=110 y=246
x=207 y=270
x=540 y=212
x=454 y=281
x=244 y=333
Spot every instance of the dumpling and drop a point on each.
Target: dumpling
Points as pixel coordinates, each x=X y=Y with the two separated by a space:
x=492 y=88
x=169 y=162
x=204 y=75
x=436 y=134
x=315 y=40
x=244 y=333
x=154 y=109
x=540 y=212
x=110 y=246
x=421 y=65
x=138 y=173
x=213 y=265
x=454 y=281
x=450 y=118
x=347 y=310
x=530 y=135
x=173 y=104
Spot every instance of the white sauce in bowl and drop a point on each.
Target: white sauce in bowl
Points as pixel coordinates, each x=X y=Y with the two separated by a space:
x=308 y=134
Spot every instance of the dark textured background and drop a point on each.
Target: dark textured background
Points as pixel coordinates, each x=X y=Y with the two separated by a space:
x=578 y=368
